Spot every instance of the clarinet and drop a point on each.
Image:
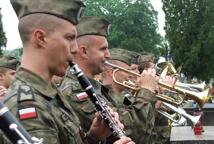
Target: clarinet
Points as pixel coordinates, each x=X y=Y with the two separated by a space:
x=100 y=104
x=13 y=129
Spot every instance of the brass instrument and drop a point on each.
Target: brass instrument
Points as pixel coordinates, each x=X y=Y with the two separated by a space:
x=183 y=88
x=181 y=121
x=199 y=97
x=175 y=119
x=193 y=119
x=168 y=66
x=175 y=101
x=200 y=86
x=128 y=84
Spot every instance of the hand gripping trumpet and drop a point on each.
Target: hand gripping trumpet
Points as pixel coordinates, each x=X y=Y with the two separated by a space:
x=99 y=104
x=200 y=97
x=13 y=129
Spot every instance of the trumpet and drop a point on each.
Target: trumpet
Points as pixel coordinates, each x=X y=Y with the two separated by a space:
x=199 y=97
x=177 y=100
x=181 y=121
x=193 y=119
x=128 y=84
x=200 y=86
x=170 y=70
x=174 y=119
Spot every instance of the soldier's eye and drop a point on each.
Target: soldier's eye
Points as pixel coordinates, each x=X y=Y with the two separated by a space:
x=71 y=37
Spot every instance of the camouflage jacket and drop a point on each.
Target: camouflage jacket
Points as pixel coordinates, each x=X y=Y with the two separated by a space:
x=160 y=131
x=42 y=110
x=141 y=112
x=84 y=108
x=137 y=117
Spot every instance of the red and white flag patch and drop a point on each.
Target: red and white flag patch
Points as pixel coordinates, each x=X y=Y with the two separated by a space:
x=27 y=113
x=82 y=96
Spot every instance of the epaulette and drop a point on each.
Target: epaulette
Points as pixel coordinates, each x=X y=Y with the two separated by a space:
x=74 y=85
x=25 y=93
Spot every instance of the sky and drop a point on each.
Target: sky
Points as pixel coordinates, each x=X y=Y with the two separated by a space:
x=10 y=22
x=10 y=25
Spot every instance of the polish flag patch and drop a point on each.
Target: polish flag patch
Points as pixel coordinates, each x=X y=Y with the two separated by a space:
x=27 y=113
x=82 y=96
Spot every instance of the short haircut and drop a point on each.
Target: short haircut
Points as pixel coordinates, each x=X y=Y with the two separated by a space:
x=87 y=40
x=36 y=21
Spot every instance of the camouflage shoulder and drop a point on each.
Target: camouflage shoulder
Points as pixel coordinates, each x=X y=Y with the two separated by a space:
x=24 y=102
x=23 y=92
x=147 y=95
x=70 y=84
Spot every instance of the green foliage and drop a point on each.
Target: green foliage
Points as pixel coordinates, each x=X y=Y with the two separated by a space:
x=134 y=23
x=3 y=39
x=190 y=32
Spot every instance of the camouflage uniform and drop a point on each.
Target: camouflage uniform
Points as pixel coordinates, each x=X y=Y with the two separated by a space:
x=77 y=98
x=71 y=88
x=136 y=114
x=38 y=105
x=161 y=123
x=82 y=105
x=140 y=107
x=52 y=117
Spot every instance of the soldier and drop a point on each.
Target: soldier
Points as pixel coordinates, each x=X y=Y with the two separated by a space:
x=141 y=110
x=161 y=122
x=8 y=67
x=49 y=38
x=93 y=52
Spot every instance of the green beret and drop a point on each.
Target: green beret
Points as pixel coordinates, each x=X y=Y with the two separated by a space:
x=93 y=26
x=9 y=62
x=146 y=57
x=123 y=55
x=70 y=10
x=131 y=57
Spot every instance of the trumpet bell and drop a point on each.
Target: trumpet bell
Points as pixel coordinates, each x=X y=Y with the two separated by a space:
x=193 y=119
x=200 y=86
x=199 y=97
x=168 y=66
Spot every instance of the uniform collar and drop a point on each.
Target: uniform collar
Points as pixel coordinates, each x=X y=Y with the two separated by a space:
x=94 y=83
x=36 y=82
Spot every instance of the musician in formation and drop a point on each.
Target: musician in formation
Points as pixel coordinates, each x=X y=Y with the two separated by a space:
x=8 y=67
x=93 y=52
x=49 y=38
x=56 y=95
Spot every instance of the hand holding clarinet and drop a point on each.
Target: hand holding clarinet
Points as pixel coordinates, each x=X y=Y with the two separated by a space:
x=106 y=113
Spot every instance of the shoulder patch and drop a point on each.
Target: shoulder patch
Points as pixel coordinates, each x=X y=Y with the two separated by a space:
x=25 y=93
x=27 y=113
x=82 y=96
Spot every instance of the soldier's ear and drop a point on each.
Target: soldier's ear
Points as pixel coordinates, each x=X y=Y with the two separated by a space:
x=83 y=51
x=39 y=37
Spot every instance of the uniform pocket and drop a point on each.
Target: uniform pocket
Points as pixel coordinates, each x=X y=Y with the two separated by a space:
x=88 y=107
